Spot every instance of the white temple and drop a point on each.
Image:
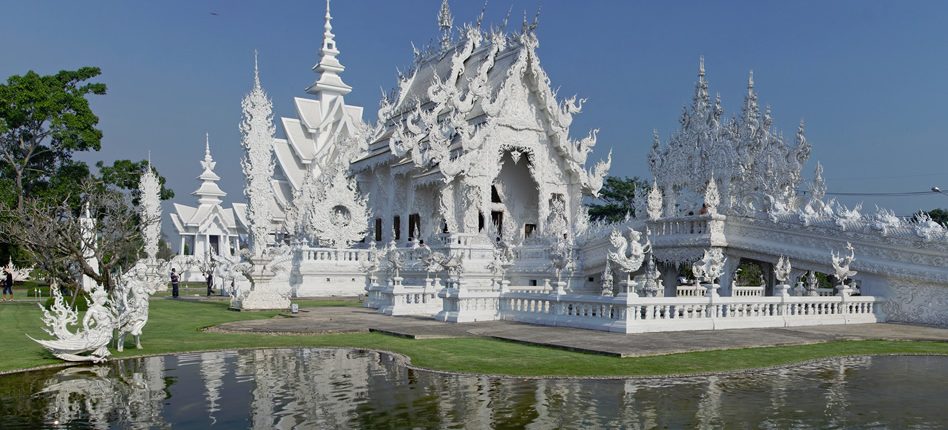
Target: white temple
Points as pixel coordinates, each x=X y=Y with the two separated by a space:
x=465 y=202
x=209 y=228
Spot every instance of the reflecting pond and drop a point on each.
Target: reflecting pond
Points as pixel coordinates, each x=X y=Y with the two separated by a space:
x=314 y=388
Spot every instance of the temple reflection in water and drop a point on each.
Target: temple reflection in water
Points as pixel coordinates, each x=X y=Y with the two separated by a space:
x=311 y=388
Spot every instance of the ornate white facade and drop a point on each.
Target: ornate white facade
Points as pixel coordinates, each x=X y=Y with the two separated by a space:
x=472 y=179
x=209 y=228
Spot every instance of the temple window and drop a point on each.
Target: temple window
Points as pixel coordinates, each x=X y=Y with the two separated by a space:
x=494 y=195
x=397 y=227
x=497 y=218
x=414 y=226
x=529 y=229
x=378 y=229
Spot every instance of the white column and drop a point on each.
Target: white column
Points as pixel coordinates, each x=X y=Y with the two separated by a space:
x=181 y=248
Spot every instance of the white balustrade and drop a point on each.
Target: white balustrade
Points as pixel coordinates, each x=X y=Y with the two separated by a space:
x=410 y=300
x=655 y=314
x=738 y=291
x=690 y=290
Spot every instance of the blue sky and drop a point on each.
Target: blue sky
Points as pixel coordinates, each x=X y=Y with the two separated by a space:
x=869 y=77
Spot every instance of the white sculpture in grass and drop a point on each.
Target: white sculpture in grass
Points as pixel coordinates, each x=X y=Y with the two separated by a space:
x=261 y=263
x=149 y=210
x=841 y=268
x=86 y=342
x=782 y=273
x=135 y=287
x=130 y=300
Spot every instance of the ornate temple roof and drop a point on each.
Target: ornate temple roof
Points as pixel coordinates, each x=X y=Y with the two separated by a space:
x=209 y=192
x=320 y=124
x=191 y=219
x=750 y=159
x=453 y=97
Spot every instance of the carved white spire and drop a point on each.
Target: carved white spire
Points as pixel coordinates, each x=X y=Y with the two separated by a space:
x=702 y=99
x=711 y=196
x=256 y=129
x=328 y=68
x=149 y=208
x=654 y=202
x=209 y=192
x=751 y=110
x=445 y=22
x=818 y=189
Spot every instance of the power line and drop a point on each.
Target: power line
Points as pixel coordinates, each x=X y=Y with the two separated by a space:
x=892 y=194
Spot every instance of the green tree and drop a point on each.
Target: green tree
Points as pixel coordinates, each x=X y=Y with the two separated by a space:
x=616 y=198
x=43 y=121
x=125 y=174
x=939 y=215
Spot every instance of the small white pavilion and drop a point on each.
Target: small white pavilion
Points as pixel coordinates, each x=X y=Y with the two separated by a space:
x=208 y=228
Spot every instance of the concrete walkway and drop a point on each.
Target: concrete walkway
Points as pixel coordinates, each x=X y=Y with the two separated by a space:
x=343 y=320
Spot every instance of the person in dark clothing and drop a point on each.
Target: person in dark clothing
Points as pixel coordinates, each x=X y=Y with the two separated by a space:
x=174 y=283
x=7 y=284
x=210 y=283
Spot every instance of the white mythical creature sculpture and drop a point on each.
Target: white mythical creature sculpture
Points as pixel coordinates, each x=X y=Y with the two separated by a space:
x=841 y=267
x=374 y=262
x=503 y=259
x=709 y=268
x=607 y=279
x=561 y=256
x=394 y=259
x=270 y=262
x=927 y=228
x=782 y=269
x=130 y=303
x=88 y=342
x=653 y=287
x=782 y=273
x=627 y=254
x=232 y=270
x=885 y=221
x=846 y=217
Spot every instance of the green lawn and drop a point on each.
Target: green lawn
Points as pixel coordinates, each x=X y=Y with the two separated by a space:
x=176 y=327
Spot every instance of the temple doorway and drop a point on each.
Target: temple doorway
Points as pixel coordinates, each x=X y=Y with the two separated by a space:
x=514 y=199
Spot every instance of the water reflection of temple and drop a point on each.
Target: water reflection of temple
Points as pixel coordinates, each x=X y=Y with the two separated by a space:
x=300 y=388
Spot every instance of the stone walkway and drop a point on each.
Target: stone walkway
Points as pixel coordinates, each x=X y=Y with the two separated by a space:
x=343 y=320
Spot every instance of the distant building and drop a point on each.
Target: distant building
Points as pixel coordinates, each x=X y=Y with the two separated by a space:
x=208 y=228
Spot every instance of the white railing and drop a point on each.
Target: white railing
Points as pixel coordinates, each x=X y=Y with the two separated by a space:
x=407 y=300
x=757 y=291
x=648 y=314
x=685 y=225
x=541 y=289
x=689 y=290
x=334 y=255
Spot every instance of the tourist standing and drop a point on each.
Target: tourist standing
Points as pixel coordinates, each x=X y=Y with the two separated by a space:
x=210 y=283
x=7 y=284
x=174 y=283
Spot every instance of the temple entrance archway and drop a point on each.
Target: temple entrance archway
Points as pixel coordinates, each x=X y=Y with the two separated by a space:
x=514 y=206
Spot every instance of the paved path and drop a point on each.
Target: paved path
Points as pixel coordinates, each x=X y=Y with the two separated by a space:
x=342 y=320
